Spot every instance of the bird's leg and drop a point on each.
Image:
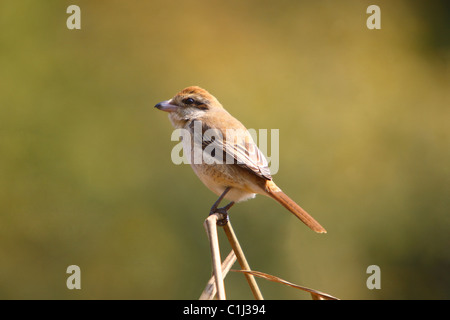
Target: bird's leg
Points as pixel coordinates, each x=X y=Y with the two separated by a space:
x=224 y=210
x=216 y=204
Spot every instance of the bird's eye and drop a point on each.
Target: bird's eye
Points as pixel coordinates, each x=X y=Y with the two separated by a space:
x=188 y=101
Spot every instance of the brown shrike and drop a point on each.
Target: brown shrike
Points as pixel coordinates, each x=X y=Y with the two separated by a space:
x=230 y=164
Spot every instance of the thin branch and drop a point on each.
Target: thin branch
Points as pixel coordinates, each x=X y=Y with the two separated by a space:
x=210 y=289
x=242 y=260
x=210 y=225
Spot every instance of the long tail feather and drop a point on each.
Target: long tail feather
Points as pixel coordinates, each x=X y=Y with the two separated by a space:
x=293 y=207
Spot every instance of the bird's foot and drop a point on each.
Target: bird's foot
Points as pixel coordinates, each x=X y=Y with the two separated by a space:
x=223 y=213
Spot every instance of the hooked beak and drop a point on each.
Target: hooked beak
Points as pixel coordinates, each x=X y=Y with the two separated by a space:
x=166 y=106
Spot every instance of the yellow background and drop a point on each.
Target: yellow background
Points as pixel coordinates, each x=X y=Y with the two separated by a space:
x=85 y=171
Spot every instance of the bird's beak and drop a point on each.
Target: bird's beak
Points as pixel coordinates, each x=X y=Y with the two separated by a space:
x=166 y=106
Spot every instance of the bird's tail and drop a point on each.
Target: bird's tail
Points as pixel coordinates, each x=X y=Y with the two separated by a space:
x=288 y=203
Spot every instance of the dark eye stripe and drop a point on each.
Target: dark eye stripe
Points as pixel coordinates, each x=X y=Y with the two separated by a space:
x=198 y=104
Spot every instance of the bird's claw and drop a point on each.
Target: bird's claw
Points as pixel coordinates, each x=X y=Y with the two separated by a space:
x=223 y=216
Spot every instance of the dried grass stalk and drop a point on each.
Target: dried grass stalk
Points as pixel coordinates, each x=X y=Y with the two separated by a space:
x=316 y=295
x=242 y=260
x=210 y=290
x=211 y=230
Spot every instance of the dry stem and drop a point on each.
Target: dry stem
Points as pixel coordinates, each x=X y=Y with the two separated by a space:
x=211 y=230
x=210 y=289
x=242 y=260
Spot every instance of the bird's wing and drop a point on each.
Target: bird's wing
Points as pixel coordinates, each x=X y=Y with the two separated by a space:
x=247 y=155
x=234 y=147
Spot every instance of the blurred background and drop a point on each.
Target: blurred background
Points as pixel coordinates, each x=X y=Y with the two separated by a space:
x=86 y=176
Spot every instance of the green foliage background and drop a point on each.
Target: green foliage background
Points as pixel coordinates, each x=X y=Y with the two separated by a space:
x=85 y=171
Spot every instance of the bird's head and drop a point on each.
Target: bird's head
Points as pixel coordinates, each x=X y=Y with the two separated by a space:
x=190 y=103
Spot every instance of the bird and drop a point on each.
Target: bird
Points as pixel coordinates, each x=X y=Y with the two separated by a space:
x=230 y=164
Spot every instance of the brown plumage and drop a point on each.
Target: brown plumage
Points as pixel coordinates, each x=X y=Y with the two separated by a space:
x=236 y=166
